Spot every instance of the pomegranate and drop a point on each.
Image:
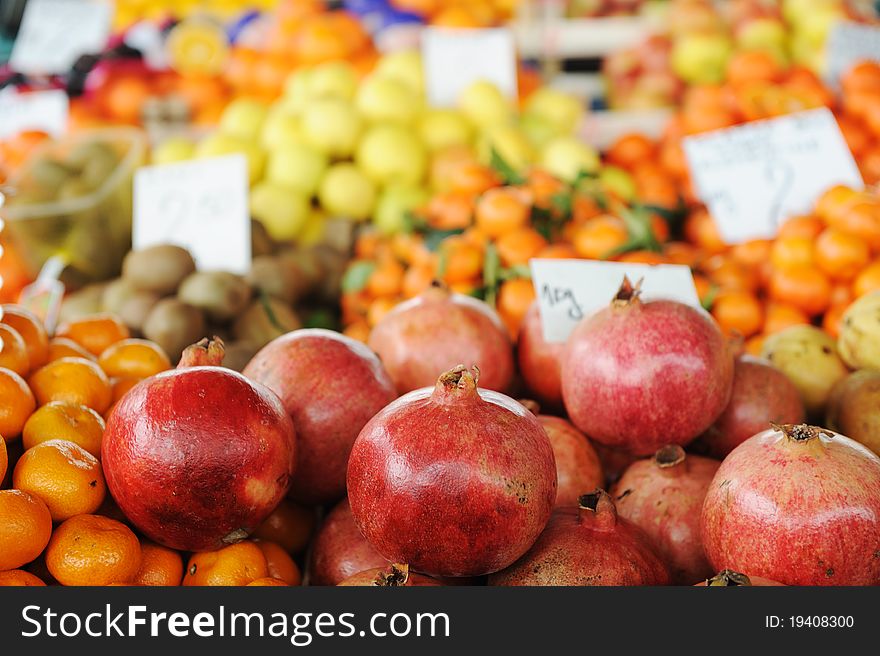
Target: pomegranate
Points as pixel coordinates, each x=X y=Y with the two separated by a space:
x=394 y=576
x=639 y=375
x=540 y=362
x=577 y=464
x=761 y=394
x=339 y=550
x=453 y=480
x=330 y=385
x=588 y=544
x=727 y=578
x=198 y=456
x=799 y=505
x=424 y=336
x=664 y=496
x=614 y=461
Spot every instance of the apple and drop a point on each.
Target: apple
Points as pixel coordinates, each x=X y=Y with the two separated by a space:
x=484 y=105
x=560 y=109
x=296 y=89
x=219 y=143
x=441 y=128
x=394 y=202
x=387 y=99
x=618 y=182
x=173 y=149
x=510 y=143
x=333 y=79
x=405 y=66
x=243 y=118
x=538 y=129
x=567 y=156
x=332 y=126
x=281 y=210
x=281 y=129
x=701 y=58
x=298 y=167
x=391 y=153
x=313 y=230
x=346 y=192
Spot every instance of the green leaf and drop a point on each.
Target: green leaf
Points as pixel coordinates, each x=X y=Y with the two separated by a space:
x=434 y=238
x=321 y=318
x=356 y=276
x=711 y=295
x=505 y=171
x=270 y=313
x=516 y=271
x=491 y=271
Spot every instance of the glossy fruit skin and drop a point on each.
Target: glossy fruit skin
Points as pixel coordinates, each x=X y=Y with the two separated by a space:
x=331 y=386
x=664 y=496
x=585 y=547
x=761 y=394
x=540 y=362
x=452 y=480
x=577 y=464
x=340 y=550
x=392 y=576
x=639 y=375
x=854 y=408
x=198 y=456
x=798 y=511
x=437 y=330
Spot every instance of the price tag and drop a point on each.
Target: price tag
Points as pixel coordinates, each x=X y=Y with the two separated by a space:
x=46 y=111
x=847 y=44
x=454 y=59
x=569 y=290
x=201 y=205
x=54 y=33
x=754 y=176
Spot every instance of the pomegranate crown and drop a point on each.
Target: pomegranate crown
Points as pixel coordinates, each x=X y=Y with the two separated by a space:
x=204 y=353
x=801 y=432
x=627 y=293
x=396 y=574
x=728 y=578
x=669 y=456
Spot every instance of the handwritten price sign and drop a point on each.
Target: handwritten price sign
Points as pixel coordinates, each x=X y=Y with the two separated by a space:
x=754 y=176
x=570 y=290
x=201 y=205
x=46 y=111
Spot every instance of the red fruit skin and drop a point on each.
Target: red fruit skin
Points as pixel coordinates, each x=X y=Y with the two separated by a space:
x=641 y=375
x=664 y=497
x=798 y=512
x=330 y=385
x=368 y=578
x=437 y=330
x=340 y=550
x=453 y=480
x=196 y=458
x=582 y=547
x=577 y=464
x=540 y=362
x=761 y=394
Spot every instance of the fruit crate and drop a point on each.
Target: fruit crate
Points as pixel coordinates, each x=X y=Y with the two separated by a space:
x=54 y=209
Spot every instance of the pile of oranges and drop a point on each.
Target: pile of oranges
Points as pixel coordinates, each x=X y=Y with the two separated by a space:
x=58 y=524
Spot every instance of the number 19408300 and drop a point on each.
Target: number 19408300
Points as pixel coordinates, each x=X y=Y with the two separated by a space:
x=810 y=621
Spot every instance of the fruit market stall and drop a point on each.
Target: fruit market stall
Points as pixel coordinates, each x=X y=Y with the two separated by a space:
x=373 y=293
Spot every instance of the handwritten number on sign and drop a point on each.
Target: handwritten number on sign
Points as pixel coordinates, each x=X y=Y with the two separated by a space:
x=556 y=295
x=780 y=175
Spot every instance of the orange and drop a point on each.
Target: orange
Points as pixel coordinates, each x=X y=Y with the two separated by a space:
x=558 y=252
x=500 y=211
x=160 y=566
x=123 y=98
x=834 y=201
x=93 y=550
x=451 y=210
x=266 y=582
x=19 y=578
x=238 y=564
x=121 y=387
x=753 y=253
x=64 y=475
x=359 y=330
x=386 y=279
x=133 y=358
x=857 y=136
x=25 y=527
x=730 y=275
x=515 y=296
x=72 y=380
x=13 y=350
x=599 y=237
x=31 y=330
x=642 y=256
x=289 y=525
x=472 y=178
x=749 y=66
x=700 y=229
x=379 y=308
x=805 y=226
x=519 y=246
x=868 y=280
x=65 y=421
x=779 y=316
x=841 y=255
x=804 y=287
x=4 y=459
x=280 y=564
x=738 y=312
x=791 y=251
x=679 y=252
x=463 y=260
x=95 y=332
x=61 y=347
x=416 y=280
x=18 y=404
x=630 y=150
x=831 y=320
x=861 y=219
x=862 y=76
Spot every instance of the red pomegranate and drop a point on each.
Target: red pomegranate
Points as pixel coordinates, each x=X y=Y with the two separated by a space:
x=433 y=332
x=761 y=394
x=339 y=550
x=198 y=456
x=540 y=362
x=330 y=385
x=727 y=578
x=453 y=480
x=588 y=545
x=799 y=505
x=577 y=464
x=639 y=375
x=664 y=497
x=395 y=575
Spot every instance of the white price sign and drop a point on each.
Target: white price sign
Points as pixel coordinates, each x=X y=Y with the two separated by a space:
x=54 y=33
x=47 y=111
x=756 y=175
x=570 y=290
x=848 y=44
x=201 y=205
x=454 y=59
